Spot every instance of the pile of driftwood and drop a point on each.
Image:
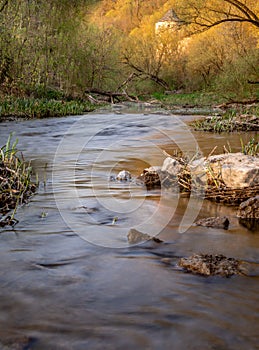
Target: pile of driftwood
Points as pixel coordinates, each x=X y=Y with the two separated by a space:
x=231 y=196
x=96 y=96
x=215 y=190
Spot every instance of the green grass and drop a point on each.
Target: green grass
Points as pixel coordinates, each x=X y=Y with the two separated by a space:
x=29 y=108
x=231 y=120
x=251 y=148
x=200 y=99
x=218 y=124
x=15 y=178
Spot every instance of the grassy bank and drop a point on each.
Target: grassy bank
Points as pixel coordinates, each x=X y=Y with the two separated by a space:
x=225 y=114
x=15 y=182
x=195 y=99
x=228 y=122
x=29 y=108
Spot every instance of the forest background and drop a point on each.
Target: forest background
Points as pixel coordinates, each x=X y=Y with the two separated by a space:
x=57 y=48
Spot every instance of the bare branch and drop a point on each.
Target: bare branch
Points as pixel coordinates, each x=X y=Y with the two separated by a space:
x=3 y=6
x=149 y=75
x=243 y=8
x=242 y=20
x=238 y=11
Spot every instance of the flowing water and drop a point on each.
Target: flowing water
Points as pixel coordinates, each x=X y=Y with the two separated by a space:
x=70 y=280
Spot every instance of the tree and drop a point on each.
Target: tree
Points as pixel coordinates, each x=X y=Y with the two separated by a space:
x=40 y=44
x=206 y=14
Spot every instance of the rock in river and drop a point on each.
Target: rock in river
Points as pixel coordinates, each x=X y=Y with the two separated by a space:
x=172 y=166
x=135 y=236
x=151 y=177
x=210 y=265
x=235 y=170
x=216 y=222
x=124 y=175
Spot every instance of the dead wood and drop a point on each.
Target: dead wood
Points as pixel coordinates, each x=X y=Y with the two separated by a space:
x=244 y=102
x=111 y=96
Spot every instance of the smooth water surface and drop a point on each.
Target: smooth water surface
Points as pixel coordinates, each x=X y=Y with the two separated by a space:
x=70 y=280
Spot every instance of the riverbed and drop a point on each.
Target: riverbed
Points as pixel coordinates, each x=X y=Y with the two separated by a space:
x=70 y=280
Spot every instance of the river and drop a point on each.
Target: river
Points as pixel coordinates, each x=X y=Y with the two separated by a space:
x=70 y=280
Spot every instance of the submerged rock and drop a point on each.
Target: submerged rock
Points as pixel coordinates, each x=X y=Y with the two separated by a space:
x=134 y=236
x=216 y=222
x=124 y=175
x=16 y=343
x=211 y=265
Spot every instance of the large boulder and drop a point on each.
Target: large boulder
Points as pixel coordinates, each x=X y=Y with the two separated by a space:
x=234 y=170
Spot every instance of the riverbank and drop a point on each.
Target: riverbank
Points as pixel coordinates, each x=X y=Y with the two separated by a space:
x=13 y=108
x=225 y=114
x=222 y=111
x=16 y=186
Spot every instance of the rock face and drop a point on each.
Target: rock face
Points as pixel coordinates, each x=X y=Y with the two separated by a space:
x=210 y=265
x=235 y=170
x=134 y=236
x=249 y=209
x=216 y=222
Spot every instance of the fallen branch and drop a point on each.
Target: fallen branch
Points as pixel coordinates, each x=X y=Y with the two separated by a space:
x=112 y=96
x=244 y=102
x=252 y=82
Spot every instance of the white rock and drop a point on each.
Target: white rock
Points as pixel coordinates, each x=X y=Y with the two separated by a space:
x=124 y=175
x=237 y=170
x=171 y=166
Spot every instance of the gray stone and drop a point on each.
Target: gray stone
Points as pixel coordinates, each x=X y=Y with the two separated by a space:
x=134 y=236
x=171 y=166
x=215 y=222
x=235 y=170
